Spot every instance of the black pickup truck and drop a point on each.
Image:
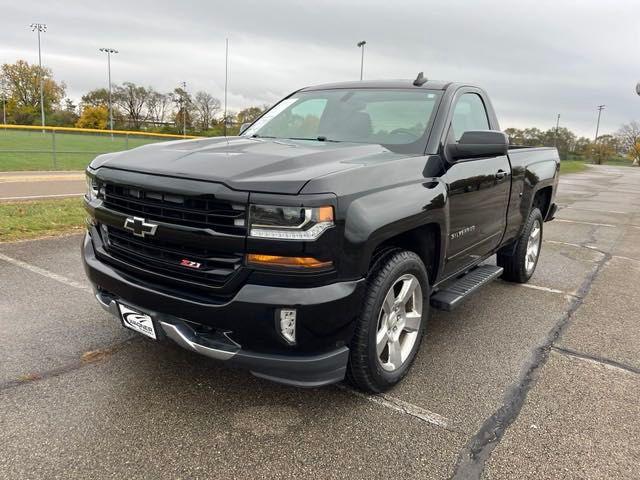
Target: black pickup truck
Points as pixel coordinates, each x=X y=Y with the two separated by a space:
x=311 y=247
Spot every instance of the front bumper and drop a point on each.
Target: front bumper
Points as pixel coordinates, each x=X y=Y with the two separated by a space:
x=242 y=332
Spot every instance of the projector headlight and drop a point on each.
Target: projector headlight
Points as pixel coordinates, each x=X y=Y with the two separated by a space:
x=92 y=188
x=289 y=223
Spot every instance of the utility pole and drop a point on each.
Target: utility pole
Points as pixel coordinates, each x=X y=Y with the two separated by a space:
x=184 y=108
x=109 y=51
x=361 y=46
x=600 y=108
x=226 y=81
x=557 y=127
x=595 y=140
x=40 y=28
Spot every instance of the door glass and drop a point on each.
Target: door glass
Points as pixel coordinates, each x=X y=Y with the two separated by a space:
x=469 y=114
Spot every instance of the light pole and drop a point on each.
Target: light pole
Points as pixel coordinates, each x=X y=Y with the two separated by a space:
x=361 y=45
x=638 y=88
x=4 y=101
x=226 y=81
x=557 y=127
x=40 y=28
x=109 y=51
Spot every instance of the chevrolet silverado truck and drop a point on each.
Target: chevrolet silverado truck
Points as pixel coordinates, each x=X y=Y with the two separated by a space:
x=312 y=246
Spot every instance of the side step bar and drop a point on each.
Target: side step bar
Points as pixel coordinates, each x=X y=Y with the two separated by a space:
x=453 y=295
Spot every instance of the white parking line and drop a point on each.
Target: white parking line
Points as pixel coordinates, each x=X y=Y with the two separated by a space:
x=401 y=406
x=544 y=289
x=584 y=223
x=594 y=210
x=45 y=273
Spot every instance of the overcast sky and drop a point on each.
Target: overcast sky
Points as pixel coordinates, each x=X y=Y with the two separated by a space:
x=535 y=58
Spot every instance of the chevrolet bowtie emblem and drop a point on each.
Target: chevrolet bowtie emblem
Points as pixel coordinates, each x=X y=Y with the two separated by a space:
x=140 y=227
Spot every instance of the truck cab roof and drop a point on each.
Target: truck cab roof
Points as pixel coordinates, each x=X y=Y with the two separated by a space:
x=400 y=83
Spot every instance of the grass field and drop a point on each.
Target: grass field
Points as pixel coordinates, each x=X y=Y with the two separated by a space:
x=22 y=220
x=572 y=166
x=32 y=149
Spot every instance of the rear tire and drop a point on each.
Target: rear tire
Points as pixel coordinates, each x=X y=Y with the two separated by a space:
x=520 y=260
x=390 y=327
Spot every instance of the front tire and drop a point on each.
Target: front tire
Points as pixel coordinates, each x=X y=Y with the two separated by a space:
x=390 y=327
x=520 y=261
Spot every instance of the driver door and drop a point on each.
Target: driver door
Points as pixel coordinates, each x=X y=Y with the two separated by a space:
x=478 y=191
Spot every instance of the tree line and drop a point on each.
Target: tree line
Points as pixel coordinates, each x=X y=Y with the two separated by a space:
x=623 y=143
x=134 y=107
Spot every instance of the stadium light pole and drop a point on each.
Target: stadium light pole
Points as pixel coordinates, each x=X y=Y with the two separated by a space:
x=361 y=45
x=4 y=101
x=40 y=28
x=226 y=82
x=109 y=51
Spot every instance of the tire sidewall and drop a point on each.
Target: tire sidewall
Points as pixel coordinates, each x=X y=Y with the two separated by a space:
x=522 y=254
x=412 y=265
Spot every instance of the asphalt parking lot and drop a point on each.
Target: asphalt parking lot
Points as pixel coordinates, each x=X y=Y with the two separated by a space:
x=534 y=381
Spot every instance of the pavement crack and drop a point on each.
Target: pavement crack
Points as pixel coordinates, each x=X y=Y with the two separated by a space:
x=473 y=457
x=597 y=359
x=87 y=358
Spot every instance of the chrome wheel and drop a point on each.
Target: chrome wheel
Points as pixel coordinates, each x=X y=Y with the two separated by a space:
x=399 y=322
x=533 y=247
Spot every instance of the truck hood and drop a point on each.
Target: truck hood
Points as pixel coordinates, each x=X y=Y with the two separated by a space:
x=241 y=163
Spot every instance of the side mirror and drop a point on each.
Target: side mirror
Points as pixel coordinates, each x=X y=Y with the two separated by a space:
x=243 y=127
x=478 y=144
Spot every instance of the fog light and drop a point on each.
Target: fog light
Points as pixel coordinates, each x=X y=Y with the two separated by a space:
x=287 y=322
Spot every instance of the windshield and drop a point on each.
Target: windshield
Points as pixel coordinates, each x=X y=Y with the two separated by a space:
x=398 y=119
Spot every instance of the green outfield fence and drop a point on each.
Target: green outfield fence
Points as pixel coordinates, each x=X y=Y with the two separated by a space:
x=27 y=147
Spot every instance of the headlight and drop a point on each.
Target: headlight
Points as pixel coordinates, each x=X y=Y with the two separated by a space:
x=289 y=223
x=92 y=188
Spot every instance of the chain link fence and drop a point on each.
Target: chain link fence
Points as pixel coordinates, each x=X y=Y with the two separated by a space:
x=24 y=148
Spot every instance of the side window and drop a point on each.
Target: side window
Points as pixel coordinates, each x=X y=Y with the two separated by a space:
x=469 y=114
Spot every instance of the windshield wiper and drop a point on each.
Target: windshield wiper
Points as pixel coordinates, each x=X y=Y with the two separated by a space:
x=255 y=135
x=319 y=138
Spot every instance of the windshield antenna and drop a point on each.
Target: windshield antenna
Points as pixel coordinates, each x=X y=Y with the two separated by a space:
x=420 y=80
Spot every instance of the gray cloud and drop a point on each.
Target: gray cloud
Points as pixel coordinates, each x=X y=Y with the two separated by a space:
x=536 y=58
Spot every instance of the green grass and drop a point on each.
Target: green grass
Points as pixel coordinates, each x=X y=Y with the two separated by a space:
x=32 y=149
x=572 y=166
x=23 y=220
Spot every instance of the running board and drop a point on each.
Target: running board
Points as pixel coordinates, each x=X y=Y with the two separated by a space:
x=453 y=295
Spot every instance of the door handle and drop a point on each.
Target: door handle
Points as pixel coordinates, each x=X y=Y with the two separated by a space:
x=500 y=174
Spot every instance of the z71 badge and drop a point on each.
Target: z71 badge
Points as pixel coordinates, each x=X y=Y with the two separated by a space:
x=189 y=263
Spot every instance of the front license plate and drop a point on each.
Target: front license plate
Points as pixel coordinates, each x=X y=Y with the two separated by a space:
x=137 y=321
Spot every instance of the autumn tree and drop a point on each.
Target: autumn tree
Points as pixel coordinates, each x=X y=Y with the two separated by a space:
x=629 y=138
x=22 y=84
x=249 y=114
x=94 y=117
x=158 y=106
x=132 y=99
x=206 y=106
x=96 y=98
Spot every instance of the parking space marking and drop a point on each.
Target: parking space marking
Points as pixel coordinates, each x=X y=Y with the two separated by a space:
x=45 y=273
x=544 y=289
x=625 y=258
x=576 y=245
x=402 y=407
x=584 y=223
x=594 y=210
